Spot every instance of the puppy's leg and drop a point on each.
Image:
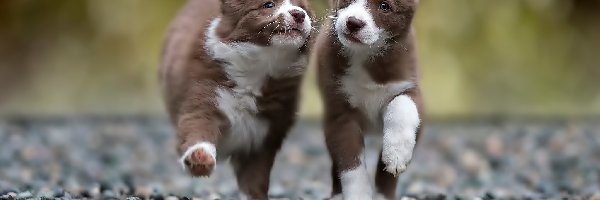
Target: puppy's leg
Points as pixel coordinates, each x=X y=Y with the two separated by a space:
x=385 y=182
x=345 y=143
x=400 y=124
x=253 y=172
x=197 y=136
x=336 y=185
x=400 y=119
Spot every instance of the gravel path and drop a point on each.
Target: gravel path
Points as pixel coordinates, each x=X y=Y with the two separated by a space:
x=134 y=157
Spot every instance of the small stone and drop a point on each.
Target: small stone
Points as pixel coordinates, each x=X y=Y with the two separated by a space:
x=408 y=198
x=171 y=198
x=545 y=188
x=277 y=191
x=214 y=196
x=471 y=160
x=156 y=196
x=11 y=195
x=494 y=145
x=143 y=192
x=95 y=192
x=45 y=192
x=24 y=195
x=105 y=187
x=5 y=192
x=85 y=194
x=129 y=183
x=108 y=194
x=416 y=187
x=67 y=196
x=595 y=196
x=58 y=193
x=489 y=196
x=436 y=197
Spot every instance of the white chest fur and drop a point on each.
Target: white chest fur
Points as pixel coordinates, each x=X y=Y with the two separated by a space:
x=367 y=95
x=249 y=66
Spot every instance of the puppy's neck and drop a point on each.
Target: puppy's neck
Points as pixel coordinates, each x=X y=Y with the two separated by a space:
x=249 y=58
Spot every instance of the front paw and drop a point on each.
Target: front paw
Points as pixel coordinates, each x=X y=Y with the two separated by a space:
x=396 y=155
x=199 y=159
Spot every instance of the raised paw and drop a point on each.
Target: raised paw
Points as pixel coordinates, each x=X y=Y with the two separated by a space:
x=200 y=159
x=400 y=123
x=396 y=156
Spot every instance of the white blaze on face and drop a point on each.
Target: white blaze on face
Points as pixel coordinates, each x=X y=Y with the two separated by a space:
x=305 y=27
x=368 y=35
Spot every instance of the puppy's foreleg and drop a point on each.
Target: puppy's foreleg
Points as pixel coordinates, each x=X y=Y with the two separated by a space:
x=400 y=123
x=197 y=138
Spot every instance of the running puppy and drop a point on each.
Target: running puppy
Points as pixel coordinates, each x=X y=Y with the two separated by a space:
x=230 y=75
x=369 y=80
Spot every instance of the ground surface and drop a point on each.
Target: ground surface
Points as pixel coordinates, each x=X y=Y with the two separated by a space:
x=135 y=157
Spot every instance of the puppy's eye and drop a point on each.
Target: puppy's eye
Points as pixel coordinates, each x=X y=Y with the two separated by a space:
x=385 y=6
x=269 y=4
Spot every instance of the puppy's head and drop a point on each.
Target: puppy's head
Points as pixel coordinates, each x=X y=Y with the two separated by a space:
x=266 y=22
x=366 y=23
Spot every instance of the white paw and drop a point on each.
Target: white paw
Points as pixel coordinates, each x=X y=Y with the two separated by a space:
x=199 y=159
x=396 y=155
x=356 y=184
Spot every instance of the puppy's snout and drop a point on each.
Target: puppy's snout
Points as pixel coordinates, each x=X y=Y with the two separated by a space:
x=354 y=24
x=298 y=15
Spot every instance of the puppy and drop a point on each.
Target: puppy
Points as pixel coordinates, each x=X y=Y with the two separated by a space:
x=369 y=80
x=230 y=75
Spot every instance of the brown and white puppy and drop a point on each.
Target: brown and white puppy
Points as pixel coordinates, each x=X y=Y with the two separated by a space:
x=230 y=75
x=369 y=80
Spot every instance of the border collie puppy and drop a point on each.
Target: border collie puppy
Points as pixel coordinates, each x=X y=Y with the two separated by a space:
x=230 y=75
x=369 y=80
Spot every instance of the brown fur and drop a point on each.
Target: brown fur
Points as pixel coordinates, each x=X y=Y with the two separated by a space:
x=189 y=78
x=345 y=125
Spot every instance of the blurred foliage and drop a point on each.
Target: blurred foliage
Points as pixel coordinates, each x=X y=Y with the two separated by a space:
x=479 y=58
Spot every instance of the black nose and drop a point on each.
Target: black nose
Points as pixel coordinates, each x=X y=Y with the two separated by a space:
x=353 y=24
x=298 y=16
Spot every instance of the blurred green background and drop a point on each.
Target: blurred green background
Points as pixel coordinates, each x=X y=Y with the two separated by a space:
x=480 y=58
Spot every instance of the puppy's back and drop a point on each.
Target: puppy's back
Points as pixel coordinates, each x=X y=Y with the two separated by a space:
x=185 y=35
